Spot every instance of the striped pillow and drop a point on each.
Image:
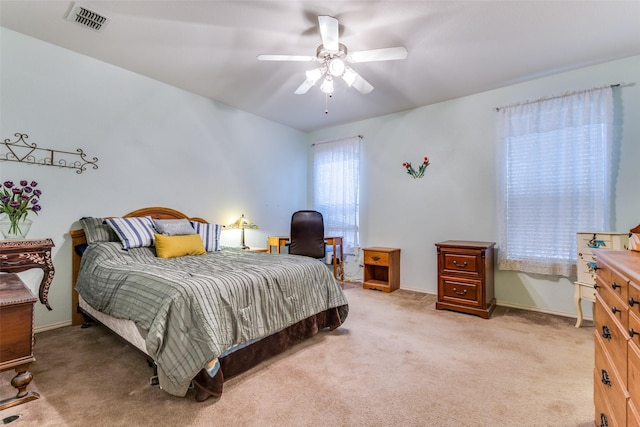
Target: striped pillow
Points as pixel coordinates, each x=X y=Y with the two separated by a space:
x=97 y=230
x=210 y=234
x=133 y=232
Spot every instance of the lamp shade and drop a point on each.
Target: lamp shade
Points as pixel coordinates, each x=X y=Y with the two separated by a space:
x=242 y=223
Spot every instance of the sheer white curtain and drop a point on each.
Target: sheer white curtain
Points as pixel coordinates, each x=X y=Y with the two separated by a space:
x=554 y=179
x=336 y=166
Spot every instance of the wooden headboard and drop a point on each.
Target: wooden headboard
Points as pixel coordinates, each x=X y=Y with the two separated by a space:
x=78 y=238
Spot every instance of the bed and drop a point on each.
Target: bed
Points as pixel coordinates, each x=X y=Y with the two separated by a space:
x=200 y=317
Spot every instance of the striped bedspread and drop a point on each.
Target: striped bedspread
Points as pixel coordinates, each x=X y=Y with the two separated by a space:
x=191 y=309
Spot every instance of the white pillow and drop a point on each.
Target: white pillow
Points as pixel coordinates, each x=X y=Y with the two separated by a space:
x=210 y=234
x=173 y=227
x=133 y=232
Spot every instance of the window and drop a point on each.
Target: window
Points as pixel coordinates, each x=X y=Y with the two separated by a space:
x=554 y=179
x=336 y=167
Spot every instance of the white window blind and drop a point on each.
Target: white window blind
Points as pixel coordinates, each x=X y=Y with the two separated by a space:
x=554 y=179
x=336 y=167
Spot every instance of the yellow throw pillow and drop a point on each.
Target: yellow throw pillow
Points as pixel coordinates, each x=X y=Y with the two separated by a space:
x=175 y=246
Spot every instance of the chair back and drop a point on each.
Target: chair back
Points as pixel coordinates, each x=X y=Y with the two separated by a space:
x=307 y=234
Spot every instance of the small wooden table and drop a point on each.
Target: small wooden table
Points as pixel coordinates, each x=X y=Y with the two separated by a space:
x=21 y=255
x=381 y=269
x=16 y=336
x=335 y=241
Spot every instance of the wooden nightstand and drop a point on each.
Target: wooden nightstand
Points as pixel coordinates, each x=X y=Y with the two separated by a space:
x=16 y=336
x=381 y=269
x=465 y=277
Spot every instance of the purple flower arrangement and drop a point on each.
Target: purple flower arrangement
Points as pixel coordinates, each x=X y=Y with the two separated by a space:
x=17 y=200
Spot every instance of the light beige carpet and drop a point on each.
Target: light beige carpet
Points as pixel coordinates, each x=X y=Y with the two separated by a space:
x=395 y=362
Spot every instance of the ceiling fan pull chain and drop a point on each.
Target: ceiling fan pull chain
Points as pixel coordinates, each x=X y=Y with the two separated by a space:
x=326 y=103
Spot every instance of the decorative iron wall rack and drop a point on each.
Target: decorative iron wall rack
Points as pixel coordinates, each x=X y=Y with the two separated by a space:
x=22 y=151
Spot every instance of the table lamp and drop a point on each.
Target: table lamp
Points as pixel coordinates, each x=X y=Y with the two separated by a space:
x=242 y=223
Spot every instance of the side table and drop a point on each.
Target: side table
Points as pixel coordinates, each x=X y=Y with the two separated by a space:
x=381 y=269
x=16 y=336
x=22 y=255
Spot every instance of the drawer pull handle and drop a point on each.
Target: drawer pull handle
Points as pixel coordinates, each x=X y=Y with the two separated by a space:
x=596 y=286
x=463 y=292
x=614 y=285
x=632 y=332
x=605 y=378
x=603 y=420
x=632 y=302
x=375 y=258
x=464 y=264
x=615 y=310
x=606 y=332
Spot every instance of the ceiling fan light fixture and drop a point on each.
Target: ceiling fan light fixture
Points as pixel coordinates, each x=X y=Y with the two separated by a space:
x=327 y=85
x=336 y=67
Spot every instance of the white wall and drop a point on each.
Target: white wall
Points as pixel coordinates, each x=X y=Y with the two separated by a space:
x=156 y=145
x=457 y=197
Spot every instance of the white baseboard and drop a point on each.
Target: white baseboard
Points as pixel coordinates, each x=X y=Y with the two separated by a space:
x=511 y=305
x=51 y=326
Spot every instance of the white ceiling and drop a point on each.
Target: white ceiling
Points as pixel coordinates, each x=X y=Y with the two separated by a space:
x=456 y=48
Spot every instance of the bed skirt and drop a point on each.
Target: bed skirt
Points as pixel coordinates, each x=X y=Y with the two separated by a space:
x=247 y=357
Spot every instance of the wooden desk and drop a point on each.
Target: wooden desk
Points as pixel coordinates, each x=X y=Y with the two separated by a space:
x=22 y=255
x=335 y=241
x=16 y=336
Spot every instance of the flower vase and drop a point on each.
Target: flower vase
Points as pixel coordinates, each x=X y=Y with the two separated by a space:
x=15 y=230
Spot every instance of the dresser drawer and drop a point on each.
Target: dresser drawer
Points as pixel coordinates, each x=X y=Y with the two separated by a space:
x=461 y=263
x=460 y=291
x=614 y=337
x=604 y=414
x=634 y=330
x=616 y=281
x=633 y=373
x=586 y=242
x=607 y=378
x=612 y=302
x=633 y=416
x=376 y=258
x=634 y=298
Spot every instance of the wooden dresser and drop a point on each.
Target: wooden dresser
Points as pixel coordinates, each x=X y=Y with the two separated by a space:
x=617 y=338
x=16 y=336
x=465 y=277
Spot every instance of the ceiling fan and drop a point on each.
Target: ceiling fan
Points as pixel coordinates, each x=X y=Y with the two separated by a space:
x=333 y=58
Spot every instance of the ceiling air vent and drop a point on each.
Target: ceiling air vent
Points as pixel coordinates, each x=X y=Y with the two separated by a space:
x=87 y=17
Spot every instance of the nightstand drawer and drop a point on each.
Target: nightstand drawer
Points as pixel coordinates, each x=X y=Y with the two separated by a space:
x=460 y=263
x=461 y=292
x=376 y=258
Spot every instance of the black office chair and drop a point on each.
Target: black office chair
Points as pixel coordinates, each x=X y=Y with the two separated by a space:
x=307 y=234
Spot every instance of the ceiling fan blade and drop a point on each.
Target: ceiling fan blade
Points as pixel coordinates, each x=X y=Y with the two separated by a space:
x=312 y=77
x=354 y=79
x=300 y=58
x=304 y=87
x=329 y=32
x=384 y=54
